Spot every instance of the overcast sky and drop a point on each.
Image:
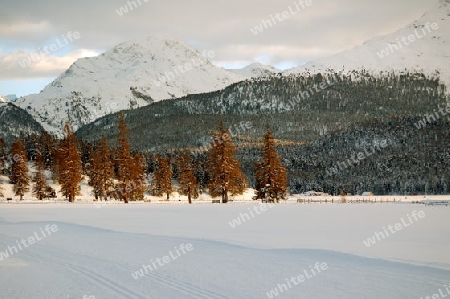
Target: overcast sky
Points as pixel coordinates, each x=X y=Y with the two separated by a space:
x=321 y=29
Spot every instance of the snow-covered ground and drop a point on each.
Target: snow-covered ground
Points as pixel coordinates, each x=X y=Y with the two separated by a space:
x=142 y=251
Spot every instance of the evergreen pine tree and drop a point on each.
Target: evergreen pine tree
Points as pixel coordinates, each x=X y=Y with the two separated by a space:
x=224 y=169
x=101 y=170
x=270 y=173
x=70 y=167
x=186 y=178
x=48 y=146
x=162 y=183
x=19 y=174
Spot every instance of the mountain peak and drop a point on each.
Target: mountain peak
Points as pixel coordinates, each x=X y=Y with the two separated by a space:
x=130 y=75
x=256 y=70
x=151 y=44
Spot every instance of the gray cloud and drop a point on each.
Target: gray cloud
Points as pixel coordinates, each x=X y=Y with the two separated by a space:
x=326 y=27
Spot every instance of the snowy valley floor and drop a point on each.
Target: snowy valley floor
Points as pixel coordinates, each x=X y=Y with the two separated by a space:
x=198 y=251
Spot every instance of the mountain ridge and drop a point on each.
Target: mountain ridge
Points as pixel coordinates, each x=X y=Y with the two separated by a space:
x=256 y=70
x=428 y=53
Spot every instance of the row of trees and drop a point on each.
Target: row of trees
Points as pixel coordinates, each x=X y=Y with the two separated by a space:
x=19 y=171
x=120 y=174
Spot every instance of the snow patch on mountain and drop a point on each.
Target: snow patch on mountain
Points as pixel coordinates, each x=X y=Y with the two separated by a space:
x=131 y=75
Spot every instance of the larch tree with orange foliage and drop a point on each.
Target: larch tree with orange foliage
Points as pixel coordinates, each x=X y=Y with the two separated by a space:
x=138 y=177
x=124 y=161
x=224 y=169
x=270 y=173
x=69 y=165
x=186 y=177
x=19 y=170
x=101 y=170
x=162 y=183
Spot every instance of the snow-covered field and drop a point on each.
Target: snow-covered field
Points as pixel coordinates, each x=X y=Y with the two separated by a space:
x=200 y=251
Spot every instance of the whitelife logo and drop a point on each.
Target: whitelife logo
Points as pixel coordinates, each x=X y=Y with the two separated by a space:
x=258 y=209
x=47 y=50
x=430 y=118
x=313 y=271
x=378 y=236
x=131 y=5
x=439 y=295
x=392 y=47
x=29 y=241
x=315 y=88
x=159 y=262
x=355 y=159
x=279 y=17
x=181 y=69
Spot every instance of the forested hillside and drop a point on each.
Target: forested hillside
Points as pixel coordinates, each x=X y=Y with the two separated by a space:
x=296 y=107
x=319 y=121
x=16 y=122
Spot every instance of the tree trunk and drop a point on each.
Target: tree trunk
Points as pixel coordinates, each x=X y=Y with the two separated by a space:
x=224 y=196
x=189 y=195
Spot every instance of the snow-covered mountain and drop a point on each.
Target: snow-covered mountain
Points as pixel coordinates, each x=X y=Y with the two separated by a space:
x=4 y=99
x=256 y=70
x=422 y=45
x=132 y=74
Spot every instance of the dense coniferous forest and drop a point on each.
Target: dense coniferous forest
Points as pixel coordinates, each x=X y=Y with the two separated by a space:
x=295 y=107
x=413 y=161
x=355 y=132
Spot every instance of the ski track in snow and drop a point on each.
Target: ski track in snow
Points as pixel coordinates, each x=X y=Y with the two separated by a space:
x=80 y=260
